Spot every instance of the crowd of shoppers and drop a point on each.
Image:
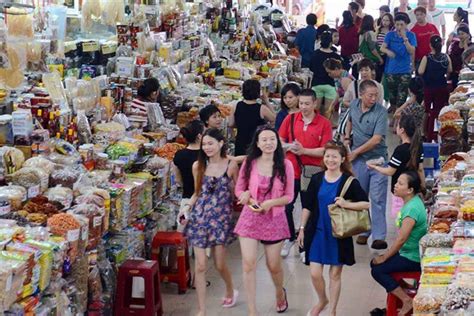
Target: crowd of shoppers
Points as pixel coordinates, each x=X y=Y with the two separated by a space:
x=363 y=70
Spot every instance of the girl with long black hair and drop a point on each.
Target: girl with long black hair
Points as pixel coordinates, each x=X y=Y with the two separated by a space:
x=209 y=223
x=407 y=156
x=461 y=17
x=368 y=44
x=264 y=187
x=349 y=40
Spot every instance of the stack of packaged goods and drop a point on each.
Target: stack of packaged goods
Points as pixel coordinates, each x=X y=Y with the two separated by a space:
x=447 y=250
x=86 y=181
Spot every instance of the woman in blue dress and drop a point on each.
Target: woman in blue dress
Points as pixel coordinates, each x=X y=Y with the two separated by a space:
x=315 y=235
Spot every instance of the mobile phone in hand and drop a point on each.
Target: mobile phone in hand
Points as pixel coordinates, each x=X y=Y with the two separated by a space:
x=255 y=207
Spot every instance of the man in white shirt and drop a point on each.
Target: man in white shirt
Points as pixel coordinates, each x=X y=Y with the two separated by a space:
x=438 y=18
x=412 y=15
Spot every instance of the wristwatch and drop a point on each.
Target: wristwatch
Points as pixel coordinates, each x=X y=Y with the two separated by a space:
x=301 y=227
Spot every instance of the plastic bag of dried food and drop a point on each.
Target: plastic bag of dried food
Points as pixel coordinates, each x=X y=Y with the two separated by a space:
x=40 y=163
x=32 y=179
x=65 y=177
x=11 y=158
x=83 y=128
x=60 y=194
x=95 y=216
x=155 y=116
x=112 y=12
x=90 y=8
x=65 y=225
x=15 y=194
x=95 y=284
x=20 y=22
x=90 y=199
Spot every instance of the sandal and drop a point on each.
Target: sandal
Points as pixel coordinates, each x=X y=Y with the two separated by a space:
x=229 y=302
x=282 y=306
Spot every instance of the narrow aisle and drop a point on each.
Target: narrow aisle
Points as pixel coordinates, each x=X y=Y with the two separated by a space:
x=359 y=295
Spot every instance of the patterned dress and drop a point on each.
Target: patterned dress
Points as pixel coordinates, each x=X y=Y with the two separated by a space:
x=210 y=221
x=264 y=226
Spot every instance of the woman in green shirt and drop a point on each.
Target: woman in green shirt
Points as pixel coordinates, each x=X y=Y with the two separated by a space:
x=403 y=255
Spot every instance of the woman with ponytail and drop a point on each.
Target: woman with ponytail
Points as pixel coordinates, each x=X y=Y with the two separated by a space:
x=461 y=17
x=184 y=159
x=407 y=156
x=435 y=68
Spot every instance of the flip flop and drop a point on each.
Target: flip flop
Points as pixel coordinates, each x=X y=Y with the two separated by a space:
x=229 y=302
x=282 y=306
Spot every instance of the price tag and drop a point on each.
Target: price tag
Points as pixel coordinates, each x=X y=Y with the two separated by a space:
x=33 y=191
x=97 y=221
x=125 y=159
x=69 y=46
x=90 y=47
x=277 y=16
x=85 y=233
x=73 y=235
x=8 y=286
x=109 y=49
x=5 y=209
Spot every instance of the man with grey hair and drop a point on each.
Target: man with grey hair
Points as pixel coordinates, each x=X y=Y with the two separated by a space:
x=368 y=124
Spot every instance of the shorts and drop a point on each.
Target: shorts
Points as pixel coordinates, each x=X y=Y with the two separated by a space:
x=325 y=91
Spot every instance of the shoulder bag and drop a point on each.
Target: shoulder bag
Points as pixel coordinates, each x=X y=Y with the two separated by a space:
x=345 y=222
x=307 y=172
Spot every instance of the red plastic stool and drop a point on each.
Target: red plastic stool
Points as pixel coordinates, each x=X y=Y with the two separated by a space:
x=151 y=305
x=180 y=275
x=393 y=303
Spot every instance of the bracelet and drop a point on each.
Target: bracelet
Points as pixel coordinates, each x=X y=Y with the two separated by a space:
x=301 y=227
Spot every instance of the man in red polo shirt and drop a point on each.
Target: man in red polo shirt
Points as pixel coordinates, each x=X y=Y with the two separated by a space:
x=423 y=32
x=305 y=144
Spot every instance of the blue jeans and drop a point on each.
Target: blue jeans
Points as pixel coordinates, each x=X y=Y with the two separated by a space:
x=381 y=272
x=375 y=185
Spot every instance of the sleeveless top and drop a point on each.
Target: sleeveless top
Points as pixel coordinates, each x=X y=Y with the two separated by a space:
x=436 y=70
x=247 y=119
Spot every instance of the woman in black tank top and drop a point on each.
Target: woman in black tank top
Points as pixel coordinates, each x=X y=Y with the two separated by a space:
x=248 y=115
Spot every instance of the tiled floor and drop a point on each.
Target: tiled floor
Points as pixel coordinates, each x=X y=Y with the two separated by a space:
x=360 y=293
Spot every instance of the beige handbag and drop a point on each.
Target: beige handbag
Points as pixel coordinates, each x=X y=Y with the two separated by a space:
x=346 y=223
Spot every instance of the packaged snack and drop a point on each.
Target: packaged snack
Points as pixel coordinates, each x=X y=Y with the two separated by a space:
x=457 y=297
x=60 y=194
x=65 y=225
x=15 y=194
x=429 y=299
x=41 y=163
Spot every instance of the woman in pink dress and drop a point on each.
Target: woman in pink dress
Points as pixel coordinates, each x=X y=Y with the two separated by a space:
x=264 y=187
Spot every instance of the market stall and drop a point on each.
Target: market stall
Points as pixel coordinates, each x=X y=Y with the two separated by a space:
x=86 y=182
x=447 y=280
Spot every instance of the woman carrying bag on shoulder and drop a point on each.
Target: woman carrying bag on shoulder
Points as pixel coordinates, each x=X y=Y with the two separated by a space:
x=316 y=231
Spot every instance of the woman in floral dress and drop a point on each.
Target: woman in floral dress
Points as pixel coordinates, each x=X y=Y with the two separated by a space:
x=209 y=223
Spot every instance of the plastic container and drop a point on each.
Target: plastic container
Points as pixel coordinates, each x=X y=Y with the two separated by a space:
x=5 y=129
